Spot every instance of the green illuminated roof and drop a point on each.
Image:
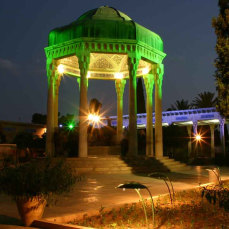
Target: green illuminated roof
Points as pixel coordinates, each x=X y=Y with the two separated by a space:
x=105 y=23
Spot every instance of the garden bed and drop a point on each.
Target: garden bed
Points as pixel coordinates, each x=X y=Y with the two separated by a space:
x=189 y=210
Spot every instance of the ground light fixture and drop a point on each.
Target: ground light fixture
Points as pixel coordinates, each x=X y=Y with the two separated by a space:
x=137 y=187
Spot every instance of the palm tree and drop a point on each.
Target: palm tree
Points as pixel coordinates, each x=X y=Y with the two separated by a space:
x=204 y=100
x=180 y=105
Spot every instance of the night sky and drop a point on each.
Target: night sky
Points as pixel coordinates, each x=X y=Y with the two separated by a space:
x=184 y=26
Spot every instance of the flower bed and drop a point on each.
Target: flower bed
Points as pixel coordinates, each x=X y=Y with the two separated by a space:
x=189 y=210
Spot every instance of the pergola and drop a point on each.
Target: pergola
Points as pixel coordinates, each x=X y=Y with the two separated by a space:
x=106 y=44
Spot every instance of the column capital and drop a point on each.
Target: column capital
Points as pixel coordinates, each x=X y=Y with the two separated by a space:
x=57 y=80
x=54 y=77
x=158 y=71
x=78 y=81
x=149 y=83
x=222 y=122
x=51 y=65
x=84 y=61
x=133 y=62
x=212 y=126
x=120 y=86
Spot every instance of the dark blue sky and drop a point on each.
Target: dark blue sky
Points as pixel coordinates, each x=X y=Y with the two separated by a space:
x=184 y=26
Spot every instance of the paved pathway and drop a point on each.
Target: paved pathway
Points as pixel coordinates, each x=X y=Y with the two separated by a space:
x=96 y=191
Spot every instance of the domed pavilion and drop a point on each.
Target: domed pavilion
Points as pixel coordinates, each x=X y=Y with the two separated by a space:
x=106 y=44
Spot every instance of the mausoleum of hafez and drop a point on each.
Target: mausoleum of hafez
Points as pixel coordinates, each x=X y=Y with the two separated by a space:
x=106 y=44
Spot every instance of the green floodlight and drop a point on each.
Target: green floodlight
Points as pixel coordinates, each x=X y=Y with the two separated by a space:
x=71 y=126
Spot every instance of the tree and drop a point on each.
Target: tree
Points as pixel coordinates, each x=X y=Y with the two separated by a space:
x=221 y=25
x=67 y=119
x=180 y=105
x=204 y=100
x=95 y=106
x=39 y=118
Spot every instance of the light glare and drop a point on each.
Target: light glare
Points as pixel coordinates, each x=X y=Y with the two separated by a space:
x=60 y=68
x=70 y=126
x=145 y=70
x=198 y=137
x=118 y=75
x=93 y=118
x=88 y=74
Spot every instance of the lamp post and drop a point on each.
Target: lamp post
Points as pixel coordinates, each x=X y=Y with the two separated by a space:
x=198 y=139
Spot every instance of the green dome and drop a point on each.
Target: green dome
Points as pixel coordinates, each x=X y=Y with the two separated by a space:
x=105 y=23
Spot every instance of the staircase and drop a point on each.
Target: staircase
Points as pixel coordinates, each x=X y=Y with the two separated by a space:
x=94 y=164
x=104 y=150
x=145 y=165
x=114 y=164
x=174 y=166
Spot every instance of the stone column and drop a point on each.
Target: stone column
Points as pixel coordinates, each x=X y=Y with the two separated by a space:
x=51 y=69
x=189 y=129
x=149 y=83
x=222 y=137
x=119 y=86
x=56 y=98
x=133 y=61
x=84 y=60
x=158 y=74
x=212 y=129
x=195 y=125
x=196 y=148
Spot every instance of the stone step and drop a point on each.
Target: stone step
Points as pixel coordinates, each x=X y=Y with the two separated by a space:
x=170 y=161
x=183 y=169
x=108 y=164
x=104 y=150
x=108 y=158
x=104 y=170
x=177 y=167
x=114 y=164
x=99 y=163
x=165 y=159
x=173 y=165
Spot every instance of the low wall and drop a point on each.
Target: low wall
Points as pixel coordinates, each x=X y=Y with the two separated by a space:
x=7 y=149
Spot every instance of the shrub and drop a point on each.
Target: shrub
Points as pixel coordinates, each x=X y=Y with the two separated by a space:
x=37 y=178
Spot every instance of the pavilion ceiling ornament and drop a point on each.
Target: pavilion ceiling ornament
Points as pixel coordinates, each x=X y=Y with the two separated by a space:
x=65 y=50
x=104 y=44
x=103 y=66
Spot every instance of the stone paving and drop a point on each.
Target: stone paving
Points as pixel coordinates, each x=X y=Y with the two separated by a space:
x=96 y=191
